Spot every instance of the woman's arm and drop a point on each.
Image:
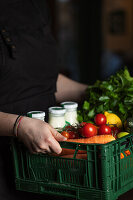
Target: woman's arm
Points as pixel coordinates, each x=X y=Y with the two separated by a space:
x=6 y=124
x=37 y=135
x=69 y=90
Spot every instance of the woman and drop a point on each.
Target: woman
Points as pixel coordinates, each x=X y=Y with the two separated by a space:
x=29 y=80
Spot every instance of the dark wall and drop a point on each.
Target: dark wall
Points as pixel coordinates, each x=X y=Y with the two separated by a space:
x=89 y=45
x=90 y=40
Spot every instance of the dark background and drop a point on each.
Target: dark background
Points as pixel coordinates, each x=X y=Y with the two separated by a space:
x=95 y=37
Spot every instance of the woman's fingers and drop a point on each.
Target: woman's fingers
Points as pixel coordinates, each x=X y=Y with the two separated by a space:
x=49 y=145
x=55 y=146
x=52 y=141
x=57 y=135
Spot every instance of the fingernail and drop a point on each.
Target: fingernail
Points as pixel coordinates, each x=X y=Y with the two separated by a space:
x=59 y=151
x=64 y=138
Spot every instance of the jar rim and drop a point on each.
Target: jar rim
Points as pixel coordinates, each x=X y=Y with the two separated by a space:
x=69 y=105
x=58 y=110
x=36 y=114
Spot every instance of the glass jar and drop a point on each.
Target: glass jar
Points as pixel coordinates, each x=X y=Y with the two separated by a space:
x=71 y=112
x=57 y=117
x=37 y=115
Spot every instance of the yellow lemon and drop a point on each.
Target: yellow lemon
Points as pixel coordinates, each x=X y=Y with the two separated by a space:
x=113 y=119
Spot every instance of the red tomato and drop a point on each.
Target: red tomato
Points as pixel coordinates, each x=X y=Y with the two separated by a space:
x=115 y=130
x=68 y=127
x=100 y=119
x=73 y=135
x=65 y=134
x=89 y=130
x=80 y=129
x=104 y=130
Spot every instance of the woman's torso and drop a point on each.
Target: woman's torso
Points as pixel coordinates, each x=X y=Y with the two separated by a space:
x=28 y=59
x=28 y=72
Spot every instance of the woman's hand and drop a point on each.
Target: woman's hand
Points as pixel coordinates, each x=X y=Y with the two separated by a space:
x=39 y=136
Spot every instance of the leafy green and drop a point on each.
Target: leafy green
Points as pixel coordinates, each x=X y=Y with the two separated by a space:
x=86 y=105
x=114 y=95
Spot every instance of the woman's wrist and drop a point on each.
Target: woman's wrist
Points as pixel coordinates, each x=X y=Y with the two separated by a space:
x=16 y=125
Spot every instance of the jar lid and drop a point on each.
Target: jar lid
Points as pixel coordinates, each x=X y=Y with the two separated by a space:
x=57 y=110
x=69 y=105
x=36 y=114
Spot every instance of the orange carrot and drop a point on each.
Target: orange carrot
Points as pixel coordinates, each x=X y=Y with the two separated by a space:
x=97 y=139
x=68 y=152
x=78 y=156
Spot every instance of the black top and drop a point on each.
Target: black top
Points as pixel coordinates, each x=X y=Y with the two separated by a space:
x=28 y=72
x=28 y=56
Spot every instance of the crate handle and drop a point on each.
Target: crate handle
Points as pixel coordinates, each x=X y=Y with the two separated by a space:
x=76 y=151
x=72 y=145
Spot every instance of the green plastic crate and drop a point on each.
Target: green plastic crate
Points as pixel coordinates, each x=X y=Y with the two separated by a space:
x=103 y=175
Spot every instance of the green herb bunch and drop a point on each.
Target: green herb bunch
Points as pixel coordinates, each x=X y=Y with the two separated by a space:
x=113 y=95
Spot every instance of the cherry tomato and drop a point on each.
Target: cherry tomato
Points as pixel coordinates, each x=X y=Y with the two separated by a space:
x=104 y=130
x=68 y=127
x=73 y=135
x=100 y=119
x=65 y=134
x=89 y=130
x=115 y=130
x=80 y=129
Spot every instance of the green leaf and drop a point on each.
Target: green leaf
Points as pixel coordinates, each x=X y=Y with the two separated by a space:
x=128 y=100
x=130 y=89
x=114 y=95
x=79 y=118
x=103 y=98
x=100 y=108
x=107 y=86
x=86 y=105
x=113 y=103
x=110 y=87
x=130 y=95
x=127 y=75
x=121 y=108
x=91 y=113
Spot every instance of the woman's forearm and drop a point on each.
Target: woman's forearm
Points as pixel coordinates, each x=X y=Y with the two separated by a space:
x=68 y=89
x=6 y=124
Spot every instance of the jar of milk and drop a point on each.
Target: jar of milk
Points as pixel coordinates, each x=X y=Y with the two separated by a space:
x=71 y=112
x=57 y=117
